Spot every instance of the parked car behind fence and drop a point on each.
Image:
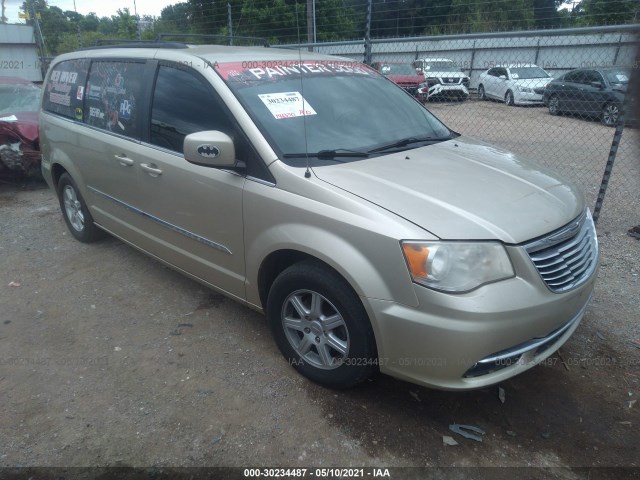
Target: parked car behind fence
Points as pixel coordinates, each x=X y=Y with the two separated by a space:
x=514 y=84
x=592 y=93
x=19 y=141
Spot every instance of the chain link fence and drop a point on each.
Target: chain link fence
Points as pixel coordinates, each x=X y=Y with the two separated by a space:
x=553 y=96
x=550 y=89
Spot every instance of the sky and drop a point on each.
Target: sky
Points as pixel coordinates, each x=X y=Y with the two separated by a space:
x=102 y=8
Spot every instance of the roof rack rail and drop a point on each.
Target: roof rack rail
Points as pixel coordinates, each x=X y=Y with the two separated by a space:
x=123 y=43
x=229 y=38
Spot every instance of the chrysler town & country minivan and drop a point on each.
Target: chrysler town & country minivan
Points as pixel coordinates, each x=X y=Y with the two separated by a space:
x=371 y=242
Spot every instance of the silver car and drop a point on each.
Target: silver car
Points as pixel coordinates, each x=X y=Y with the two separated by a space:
x=372 y=242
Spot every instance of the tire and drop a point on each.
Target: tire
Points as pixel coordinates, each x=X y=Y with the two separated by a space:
x=610 y=114
x=508 y=98
x=554 y=105
x=481 y=93
x=75 y=212
x=302 y=300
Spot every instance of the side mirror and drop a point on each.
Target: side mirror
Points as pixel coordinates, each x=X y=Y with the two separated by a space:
x=597 y=85
x=210 y=149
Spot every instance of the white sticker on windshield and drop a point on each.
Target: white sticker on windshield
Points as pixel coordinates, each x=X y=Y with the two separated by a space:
x=622 y=78
x=515 y=75
x=287 y=105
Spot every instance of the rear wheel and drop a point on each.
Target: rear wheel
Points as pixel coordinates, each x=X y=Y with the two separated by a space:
x=610 y=114
x=508 y=98
x=75 y=212
x=481 y=93
x=320 y=326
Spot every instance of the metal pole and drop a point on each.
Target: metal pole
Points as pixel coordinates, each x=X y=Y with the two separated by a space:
x=315 y=37
x=608 y=169
x=310 y=23
x=79 y=37
x=367 y=34
x=135 y=12
x=229 y=24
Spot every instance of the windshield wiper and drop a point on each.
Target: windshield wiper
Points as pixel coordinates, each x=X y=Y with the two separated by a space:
x=408 y=141
x=329 y=154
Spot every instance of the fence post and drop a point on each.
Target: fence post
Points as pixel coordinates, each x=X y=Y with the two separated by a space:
x=367 y=35
x=608 y=169
x=229 y=24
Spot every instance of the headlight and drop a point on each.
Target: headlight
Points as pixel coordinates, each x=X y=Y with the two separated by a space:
x=525 y=89
x=456 y=266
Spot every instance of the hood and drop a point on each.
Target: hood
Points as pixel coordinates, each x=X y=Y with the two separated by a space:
x=406 y=79
x=532 y=82
x=439 y=74
x=23 y=125
x=462 y=189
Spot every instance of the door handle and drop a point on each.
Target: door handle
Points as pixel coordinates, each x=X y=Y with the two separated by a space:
x=124 y=160
x=151 y=169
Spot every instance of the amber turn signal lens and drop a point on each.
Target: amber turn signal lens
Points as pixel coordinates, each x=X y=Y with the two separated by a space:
x=416 y=256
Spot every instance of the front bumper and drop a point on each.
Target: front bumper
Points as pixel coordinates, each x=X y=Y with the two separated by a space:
x=468 y=341
x=526 y=98
x=440 y=89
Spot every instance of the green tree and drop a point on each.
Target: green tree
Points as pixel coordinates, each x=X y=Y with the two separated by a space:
x=175 y=19
x=607 y=12
x=89 y=23
x=127 y=24
x=52 y=22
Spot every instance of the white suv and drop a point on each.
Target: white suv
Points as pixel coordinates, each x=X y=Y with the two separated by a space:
x=444 y=77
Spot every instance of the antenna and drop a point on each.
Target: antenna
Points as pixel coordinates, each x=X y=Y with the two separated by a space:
x=307 y=173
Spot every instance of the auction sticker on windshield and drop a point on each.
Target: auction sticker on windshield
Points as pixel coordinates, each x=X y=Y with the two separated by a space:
x=287 y=105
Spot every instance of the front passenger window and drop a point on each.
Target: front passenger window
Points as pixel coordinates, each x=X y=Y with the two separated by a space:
x=183 y=104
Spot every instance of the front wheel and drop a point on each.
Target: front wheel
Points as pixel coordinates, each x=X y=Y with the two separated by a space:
x=554 y=105
x=75 y=211
x=320 y=326
x=508 y=98
x=610 y=114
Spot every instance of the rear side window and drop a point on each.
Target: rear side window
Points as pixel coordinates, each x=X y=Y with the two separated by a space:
x=574 y=77
x=184 y=104
x=65 y=88
x=113 y=95
x=592 y=76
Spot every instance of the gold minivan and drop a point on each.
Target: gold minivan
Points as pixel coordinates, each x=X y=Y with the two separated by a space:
x=312 y=189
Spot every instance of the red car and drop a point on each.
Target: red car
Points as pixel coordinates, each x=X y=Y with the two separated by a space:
x=405 y=76
x=19 y=140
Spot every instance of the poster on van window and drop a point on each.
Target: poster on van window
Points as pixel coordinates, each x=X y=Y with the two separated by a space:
x=65 y=88
x=252 y=72
x=112 y=95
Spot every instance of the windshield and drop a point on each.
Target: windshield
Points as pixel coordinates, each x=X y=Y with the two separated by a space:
x=525 y=73
x=313 y=107
x=620 y=77
x=19 y=98
x=397 y=69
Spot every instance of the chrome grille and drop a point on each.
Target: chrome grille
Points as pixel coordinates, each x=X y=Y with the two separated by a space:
x=566 y=258
x=451 y=80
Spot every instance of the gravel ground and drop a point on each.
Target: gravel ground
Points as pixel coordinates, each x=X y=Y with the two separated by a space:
x=107 y=358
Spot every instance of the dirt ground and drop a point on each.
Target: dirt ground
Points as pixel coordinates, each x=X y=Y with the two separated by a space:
x=108 y=358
